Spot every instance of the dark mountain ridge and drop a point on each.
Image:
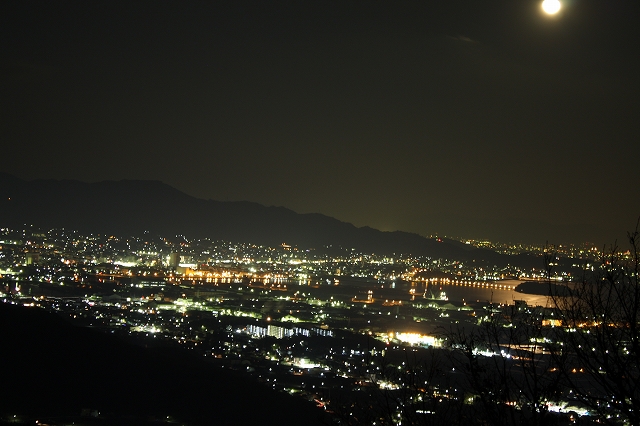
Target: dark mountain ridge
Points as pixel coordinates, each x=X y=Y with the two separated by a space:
x=130 y=207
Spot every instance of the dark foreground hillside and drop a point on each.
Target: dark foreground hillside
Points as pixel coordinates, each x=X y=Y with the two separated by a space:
x=51 y=369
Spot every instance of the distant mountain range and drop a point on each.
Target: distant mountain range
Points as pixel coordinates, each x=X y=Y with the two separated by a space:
x=130 y=207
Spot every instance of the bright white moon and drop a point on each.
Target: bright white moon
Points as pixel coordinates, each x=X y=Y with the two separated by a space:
x=551 y=7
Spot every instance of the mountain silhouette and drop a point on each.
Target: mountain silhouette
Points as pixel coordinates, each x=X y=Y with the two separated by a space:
x=130 y=207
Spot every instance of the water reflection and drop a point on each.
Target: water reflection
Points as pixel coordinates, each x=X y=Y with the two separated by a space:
x=496 y=292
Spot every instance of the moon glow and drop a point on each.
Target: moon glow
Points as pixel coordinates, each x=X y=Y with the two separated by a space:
x=551 y=7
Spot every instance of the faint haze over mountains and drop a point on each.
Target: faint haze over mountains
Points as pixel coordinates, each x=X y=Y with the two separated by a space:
x=133 y=207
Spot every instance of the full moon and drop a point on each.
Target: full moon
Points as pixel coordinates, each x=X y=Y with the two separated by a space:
x=551 y=7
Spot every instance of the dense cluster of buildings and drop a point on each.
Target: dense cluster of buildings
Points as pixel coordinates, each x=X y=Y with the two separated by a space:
x=323 y=326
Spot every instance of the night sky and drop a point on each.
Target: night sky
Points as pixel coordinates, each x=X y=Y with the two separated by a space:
x=474 y=118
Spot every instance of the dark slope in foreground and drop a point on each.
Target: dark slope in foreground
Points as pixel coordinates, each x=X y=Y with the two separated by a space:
x=53 y=368
x=131 y=207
